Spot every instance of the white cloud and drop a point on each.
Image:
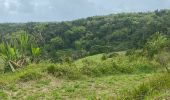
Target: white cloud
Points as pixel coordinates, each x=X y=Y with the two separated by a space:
x=57 y=10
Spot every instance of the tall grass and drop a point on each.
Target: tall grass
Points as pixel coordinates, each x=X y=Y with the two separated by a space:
x=111 y=66
x=147 y=89
x=117 y=64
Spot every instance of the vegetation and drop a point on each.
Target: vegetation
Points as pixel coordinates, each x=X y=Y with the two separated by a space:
x=151 y=89
x=119 y=56
x=17 y=51
x=94 y=35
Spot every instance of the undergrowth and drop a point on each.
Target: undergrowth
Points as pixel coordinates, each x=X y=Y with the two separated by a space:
x=147 y=89
x=114 y=64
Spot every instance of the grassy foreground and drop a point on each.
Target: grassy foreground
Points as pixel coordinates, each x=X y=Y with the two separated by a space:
x=107 y=87
x=104 y=78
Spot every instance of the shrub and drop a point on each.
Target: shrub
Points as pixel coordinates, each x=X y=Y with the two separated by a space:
x=163 y=59
x=89 y=67
x=103 y=68
x=155 y=44
x=130 y=52
x=51 y=69
x=65 y=71
x=107 y=68
x=145 y=68
x=30 y=76
x=87 y=70
x=104 y=57
x=125 y=69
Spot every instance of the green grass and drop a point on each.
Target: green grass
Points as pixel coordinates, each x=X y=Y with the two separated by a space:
x=94 y=58
x=87 y=78
x=52 y=88
x=157 y=87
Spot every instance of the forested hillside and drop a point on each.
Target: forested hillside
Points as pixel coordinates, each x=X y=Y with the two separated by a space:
x=93 y=35
x=122 y=56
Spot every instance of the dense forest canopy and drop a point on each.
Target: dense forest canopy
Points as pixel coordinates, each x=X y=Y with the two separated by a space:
x=93 y=35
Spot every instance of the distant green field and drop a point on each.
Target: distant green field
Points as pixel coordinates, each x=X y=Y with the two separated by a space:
x=95 y=58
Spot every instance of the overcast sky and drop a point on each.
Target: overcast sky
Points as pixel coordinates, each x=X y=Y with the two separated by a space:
x=62 y=10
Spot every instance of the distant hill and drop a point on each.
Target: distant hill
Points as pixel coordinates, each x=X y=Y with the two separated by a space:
x=93 y=35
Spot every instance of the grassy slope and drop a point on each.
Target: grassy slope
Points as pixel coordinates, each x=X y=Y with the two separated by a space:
x=49 y=87
x=95 y=58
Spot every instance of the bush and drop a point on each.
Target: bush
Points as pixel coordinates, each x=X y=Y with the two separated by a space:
x=156 y=43
x=107 y=68
x=130 y=52
x=104 y=57
x=163 y=59
x=103 y=68
x=145 y=68
x=65 y=71
x=88 y=67
x=128 y=69
x=30 y=76
x=51 y=69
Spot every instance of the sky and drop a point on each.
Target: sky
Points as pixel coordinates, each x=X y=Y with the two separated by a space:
x=66 y=10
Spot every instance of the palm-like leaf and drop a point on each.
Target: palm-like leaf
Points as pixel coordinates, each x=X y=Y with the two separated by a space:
x=35 y=51
x=3 y=48
x=24 y=41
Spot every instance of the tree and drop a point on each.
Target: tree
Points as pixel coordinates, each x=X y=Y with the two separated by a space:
x=57 y=42
x=75 y=33
x=155 y=44
x=38 y=33
x=78 y=45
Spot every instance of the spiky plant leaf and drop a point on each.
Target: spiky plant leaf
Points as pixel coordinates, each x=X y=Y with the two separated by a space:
x=35 y=51
x=12 y=52
x=3 y=49
x=12 y=67
x=24 y=41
